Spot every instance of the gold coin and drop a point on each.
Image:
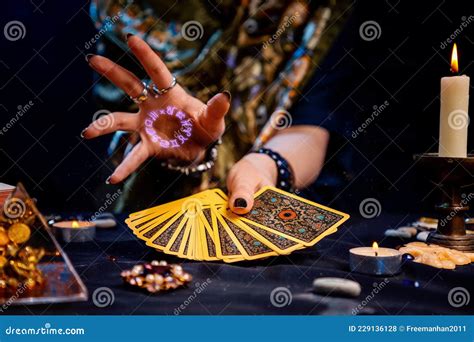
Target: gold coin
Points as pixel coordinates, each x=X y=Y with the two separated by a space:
x=3 y=261
x=19 y=232
x=4 y=240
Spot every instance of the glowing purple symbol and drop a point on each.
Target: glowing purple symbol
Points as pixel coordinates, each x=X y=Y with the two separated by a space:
x=181 y=135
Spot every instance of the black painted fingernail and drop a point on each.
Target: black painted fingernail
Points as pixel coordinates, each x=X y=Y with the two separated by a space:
x=107 y=181
x=128 y=36
x=227 y=93
x=89 y=56
x=83 y=131
x=240 y=203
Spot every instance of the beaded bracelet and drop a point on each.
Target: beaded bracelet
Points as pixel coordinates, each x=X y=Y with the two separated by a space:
x=207 y=164
x=285 y=178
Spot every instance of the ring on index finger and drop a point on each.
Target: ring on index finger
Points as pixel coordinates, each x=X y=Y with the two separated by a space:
x=157 y=92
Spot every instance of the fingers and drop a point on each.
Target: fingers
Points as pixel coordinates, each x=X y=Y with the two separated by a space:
x=153 y=64
x=121 y=77
x=242 y=183
x=217 y=107
x=132 y=161
x=110 y=123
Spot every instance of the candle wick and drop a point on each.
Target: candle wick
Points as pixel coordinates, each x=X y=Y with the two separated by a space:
x=376 y=253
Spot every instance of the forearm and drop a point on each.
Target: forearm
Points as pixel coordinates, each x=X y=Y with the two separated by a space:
x=304 y=147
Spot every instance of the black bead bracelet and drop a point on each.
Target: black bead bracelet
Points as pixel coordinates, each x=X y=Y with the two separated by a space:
x=285 y=178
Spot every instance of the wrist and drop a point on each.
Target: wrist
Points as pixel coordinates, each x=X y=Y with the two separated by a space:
x=265 y=164
x=284 y=173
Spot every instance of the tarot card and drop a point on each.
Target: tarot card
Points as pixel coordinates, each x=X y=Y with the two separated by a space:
x=293 y=217
x=254 y=247
x=226 y=243
x=275 y=241
x=163 y=236
x=177 y=239
x=208 y=233
x=203 y=198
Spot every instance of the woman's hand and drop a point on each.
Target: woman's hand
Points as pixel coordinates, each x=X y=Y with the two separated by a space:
x=303 y=147
x=173 y=126
x=247 y=176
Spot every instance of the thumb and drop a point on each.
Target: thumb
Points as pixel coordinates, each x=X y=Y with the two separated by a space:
x=241 y=188
x=216 y=108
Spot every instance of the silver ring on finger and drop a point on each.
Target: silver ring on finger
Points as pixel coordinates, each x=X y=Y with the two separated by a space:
x=157 y=92
x=143 y=95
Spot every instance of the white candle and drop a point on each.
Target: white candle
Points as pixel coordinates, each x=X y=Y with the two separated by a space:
x=454 y=118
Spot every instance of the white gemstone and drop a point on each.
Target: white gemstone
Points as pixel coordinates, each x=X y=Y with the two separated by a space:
x=422 y=236
x=336 y=286
x=397 y=233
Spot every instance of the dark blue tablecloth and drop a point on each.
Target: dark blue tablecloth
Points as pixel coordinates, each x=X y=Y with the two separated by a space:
x=245 y=288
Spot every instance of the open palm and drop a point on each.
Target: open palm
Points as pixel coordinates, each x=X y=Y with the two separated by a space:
x=174 y=126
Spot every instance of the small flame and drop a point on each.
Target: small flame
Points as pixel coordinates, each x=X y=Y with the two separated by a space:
x=375 y=247
x=454 y=59
x=75 y=224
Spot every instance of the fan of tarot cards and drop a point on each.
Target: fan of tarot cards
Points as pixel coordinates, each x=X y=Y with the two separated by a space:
x=202 y=226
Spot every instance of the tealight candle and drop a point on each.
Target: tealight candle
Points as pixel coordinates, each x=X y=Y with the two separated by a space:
x=375 y=260
x=75 y=231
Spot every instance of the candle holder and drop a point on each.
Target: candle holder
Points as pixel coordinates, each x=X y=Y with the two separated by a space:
x=364 y=260
x=75 y=231
x=451 y=174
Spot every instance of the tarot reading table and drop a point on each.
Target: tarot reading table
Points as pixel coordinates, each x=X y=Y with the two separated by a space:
x=245 y=288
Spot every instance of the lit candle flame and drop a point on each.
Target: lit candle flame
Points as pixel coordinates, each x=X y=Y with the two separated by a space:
x=454 y=59
x=375 y=247
x=75 y=224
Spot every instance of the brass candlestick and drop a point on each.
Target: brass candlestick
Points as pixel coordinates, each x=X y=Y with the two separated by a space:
x=451 y=174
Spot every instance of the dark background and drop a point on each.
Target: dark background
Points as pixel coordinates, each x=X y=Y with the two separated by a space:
x=404 y=66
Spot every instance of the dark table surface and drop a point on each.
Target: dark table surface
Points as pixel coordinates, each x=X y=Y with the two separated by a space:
x=245 y=288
